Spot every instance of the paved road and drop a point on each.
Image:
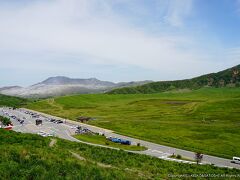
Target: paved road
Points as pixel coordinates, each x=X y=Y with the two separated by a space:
x=65 y=131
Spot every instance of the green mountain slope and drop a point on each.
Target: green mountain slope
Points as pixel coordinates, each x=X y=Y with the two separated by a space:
x=11 y=101
x=226 y=78
x=25 y=156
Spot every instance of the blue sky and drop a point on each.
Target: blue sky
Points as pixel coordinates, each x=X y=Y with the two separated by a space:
x=116 y=40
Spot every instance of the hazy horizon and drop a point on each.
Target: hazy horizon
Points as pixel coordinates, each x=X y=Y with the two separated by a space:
x=118 y=40
x=96 y=78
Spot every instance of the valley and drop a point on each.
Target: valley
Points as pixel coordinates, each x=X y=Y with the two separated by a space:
x=166 y=127
x=197 y=120
x=119 y=89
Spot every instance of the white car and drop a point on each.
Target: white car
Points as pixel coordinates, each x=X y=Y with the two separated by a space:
x=44 y=134
x=50 y=135
x=74 y=127
x=41 y=133
x=236 y=160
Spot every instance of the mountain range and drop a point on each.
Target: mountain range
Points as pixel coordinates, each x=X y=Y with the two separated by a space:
x=60 y=85
x=226 y=78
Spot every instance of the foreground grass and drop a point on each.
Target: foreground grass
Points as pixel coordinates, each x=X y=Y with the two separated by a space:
x=205 y=120
x=97 y=139
x=25 y=156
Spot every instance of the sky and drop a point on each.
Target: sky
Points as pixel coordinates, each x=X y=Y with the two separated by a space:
x=116 y=40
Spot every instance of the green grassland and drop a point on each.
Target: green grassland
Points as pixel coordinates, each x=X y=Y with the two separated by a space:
x=206 y=120
x=12 y=101
x=97 y=139
x=26 y=156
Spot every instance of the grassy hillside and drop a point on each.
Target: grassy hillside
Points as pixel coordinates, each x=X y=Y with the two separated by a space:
x=25 y=156
x=11 y=101
x=226 y=78
x=206 y=119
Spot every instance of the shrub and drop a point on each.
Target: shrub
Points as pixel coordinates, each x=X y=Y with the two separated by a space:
x=179 y=156
x=5 y=120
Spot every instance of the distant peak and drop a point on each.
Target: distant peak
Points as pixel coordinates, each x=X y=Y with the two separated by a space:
x=63 y=80
x=57 y=77
x=93 y=79
x=10 y=87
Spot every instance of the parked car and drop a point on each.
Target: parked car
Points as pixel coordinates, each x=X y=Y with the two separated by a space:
x=74 y=127
x=126 y=142
x=41 y=133
x=39 y=122
x=59 y=122
x=12 y=116
x=35 y=116
x=118 y=140
x=50 y=135
x=236 y=160
x=44 y=134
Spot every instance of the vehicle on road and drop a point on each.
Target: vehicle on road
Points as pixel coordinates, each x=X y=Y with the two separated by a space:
x=236 y=160
x=58 y=122
x=126 y=142
x=12 y=116
x=50 y=135
x=35 y=116
x=38 y=122
x=83 y=130
x=44 y=134
x=9 y=127
x=52 y=120
x=118 y=140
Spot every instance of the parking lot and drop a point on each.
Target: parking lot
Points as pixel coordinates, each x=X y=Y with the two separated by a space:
x=25 y=122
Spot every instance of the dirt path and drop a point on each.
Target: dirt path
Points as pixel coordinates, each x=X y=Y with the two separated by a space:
x=52 y=103
x=52 y=143
x=78 y=156
x=83 y=159
x=139 y=173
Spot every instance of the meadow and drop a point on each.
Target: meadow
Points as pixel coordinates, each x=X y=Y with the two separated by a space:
x=27 y=156
x=206 y=120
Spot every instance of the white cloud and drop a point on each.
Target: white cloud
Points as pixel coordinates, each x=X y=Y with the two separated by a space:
x=77 y=27
x=90 y=29
x=177 y=11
